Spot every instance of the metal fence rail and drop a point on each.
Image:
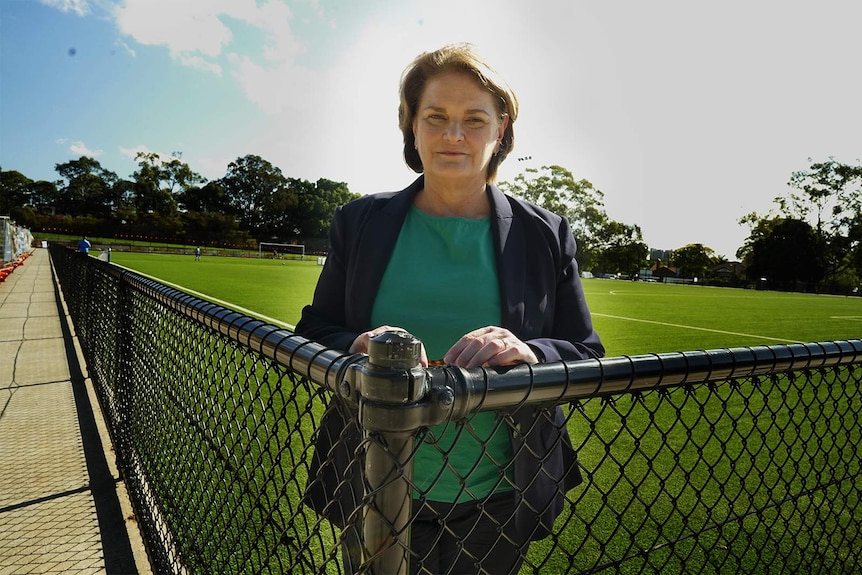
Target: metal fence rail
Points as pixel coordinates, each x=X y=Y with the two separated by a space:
x=743 y=460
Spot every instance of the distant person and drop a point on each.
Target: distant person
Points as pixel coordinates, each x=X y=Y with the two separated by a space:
x=84 y=246
x=482 y=279
x=198 y=254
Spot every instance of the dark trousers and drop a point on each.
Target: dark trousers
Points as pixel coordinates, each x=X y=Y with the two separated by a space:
x=466 y=538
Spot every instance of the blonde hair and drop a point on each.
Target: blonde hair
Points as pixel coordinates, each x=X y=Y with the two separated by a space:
x=454 y=58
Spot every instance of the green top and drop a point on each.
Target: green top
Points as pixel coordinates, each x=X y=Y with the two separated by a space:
x=440 y=284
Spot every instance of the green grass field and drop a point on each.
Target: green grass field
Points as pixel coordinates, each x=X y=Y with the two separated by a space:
x=275 y=290
x=665 y=465
x=631 y=317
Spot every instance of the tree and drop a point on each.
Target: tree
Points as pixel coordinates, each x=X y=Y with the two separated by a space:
x=211 y=197
x=831 y=194
x=619 y=248
x=86 y=189
x=14 y=188
x=318 y=204
x=213 y=228
x=280 y=211
x=43 y=196
x=787 y=252
x=828 y=198
x=601 y=241
x=164 y=197
x=159 y=182
x=556 y=190
x=693 y=260
x=255 y=188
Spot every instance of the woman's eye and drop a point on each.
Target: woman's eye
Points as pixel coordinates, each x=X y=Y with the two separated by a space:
x=436 y=119
x=475 y=122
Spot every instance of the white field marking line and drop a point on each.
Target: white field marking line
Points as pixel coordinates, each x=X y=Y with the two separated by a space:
x=214 y=300
x=695 y=327
x=850 y=317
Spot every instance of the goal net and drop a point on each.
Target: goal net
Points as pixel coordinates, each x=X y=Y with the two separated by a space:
x=281 y=251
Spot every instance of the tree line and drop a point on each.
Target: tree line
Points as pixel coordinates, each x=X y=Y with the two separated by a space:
x=811 y=241
x=164 y=198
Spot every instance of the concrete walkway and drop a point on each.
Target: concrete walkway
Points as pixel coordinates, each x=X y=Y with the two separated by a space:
x=62 y=507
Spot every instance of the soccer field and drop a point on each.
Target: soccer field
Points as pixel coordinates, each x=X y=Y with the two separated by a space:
x=631 y=317
x=273 y=289
x=690 y=459
x=639 y=317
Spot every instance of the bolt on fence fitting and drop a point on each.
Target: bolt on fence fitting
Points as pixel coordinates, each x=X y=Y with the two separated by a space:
x=394 y=349
x=344 y=389
x=393 y=374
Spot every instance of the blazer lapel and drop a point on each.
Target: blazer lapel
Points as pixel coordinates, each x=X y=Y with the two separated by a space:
x=511 y=259
x=377 y=241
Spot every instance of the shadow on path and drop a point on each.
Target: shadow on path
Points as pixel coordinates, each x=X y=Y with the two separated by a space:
x=119 y=558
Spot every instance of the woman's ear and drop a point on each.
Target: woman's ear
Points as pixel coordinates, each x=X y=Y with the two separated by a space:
x=501 y=132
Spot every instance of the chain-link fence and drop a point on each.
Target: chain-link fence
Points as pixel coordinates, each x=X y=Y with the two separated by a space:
x=743 y=460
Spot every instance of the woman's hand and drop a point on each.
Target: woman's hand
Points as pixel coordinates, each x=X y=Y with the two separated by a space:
x=360 y=344
x=489 y=346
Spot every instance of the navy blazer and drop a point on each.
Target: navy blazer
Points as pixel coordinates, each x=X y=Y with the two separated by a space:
x=540 y=289
x=542 y=303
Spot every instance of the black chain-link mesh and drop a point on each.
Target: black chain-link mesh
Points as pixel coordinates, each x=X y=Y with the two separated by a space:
x=755 y=472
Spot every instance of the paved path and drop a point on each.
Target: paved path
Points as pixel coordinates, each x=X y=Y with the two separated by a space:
x=62 y=508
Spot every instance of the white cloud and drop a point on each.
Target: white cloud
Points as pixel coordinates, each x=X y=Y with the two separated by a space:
x=188 y=28
x=276 y=82
x=125 y=48
x=79 y=7
x=281 y=43
x=132 y=153
x=212 y=168
x=195 y=30
x=200 y=63
x=80 y=149
x=280 y=87
x=198 y=33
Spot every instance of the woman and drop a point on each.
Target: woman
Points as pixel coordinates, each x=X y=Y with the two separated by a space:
x=482 y=279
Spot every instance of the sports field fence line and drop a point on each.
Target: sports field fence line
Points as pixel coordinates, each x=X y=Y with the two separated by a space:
x=738 y=460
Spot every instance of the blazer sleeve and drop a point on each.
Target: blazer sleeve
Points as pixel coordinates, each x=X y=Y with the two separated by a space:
x=324 y=320
x=567 y=332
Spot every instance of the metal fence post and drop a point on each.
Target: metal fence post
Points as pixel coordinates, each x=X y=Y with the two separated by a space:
x=125 y=376
x=390 y=386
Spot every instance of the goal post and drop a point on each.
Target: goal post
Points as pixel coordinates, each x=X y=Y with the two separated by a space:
x=280 y=251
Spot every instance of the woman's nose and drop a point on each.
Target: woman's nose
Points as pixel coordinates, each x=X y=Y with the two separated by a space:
x=454 y=131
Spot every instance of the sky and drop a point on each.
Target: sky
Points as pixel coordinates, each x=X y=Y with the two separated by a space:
x=686 y=115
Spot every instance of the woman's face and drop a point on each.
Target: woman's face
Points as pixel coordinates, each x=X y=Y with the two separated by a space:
x=457 y=127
